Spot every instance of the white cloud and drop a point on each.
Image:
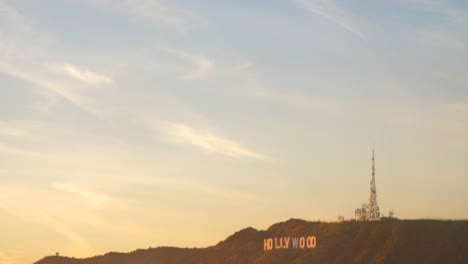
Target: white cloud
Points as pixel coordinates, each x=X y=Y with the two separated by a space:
x=90 y=196
x=86 y=75
x=156 y=12
x=25 y=52
x=182 y=133
x=203 y=65
x=332 y=12
x=244 y=66
x=55 y=86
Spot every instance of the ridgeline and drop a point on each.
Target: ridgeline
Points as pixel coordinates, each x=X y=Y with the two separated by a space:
x=386 y=241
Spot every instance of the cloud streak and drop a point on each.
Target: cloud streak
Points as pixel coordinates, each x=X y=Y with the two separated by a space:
x=90 y=196
x=6 y=258
x=459 y=107
x=45 y=218
x=438 y=37
x=332 y=12
x=86 y=75
x=458 y=16
x=196 y=187
x=244 y=66
x=13 y=130
x=157 y=12
x=54 y=86
x=291 y=99
x=9 y=150
x=25 y=55
x=254 y=88
x=207 y=141
x=203 y=65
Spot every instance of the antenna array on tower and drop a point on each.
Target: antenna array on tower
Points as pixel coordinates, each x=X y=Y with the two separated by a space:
x=371 y=211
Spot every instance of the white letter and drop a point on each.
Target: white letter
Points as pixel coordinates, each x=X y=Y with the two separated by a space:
x=295 y=241
x=276 y=243
x=302 y=242
x=311 y=242
x=286 y=242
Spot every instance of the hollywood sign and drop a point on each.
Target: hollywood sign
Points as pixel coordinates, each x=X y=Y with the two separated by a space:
x=289 y=242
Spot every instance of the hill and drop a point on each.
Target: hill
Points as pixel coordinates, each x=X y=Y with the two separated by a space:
x=386 y=241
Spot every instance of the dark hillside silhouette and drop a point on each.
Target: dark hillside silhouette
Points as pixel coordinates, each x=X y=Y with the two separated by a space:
x=386 y=241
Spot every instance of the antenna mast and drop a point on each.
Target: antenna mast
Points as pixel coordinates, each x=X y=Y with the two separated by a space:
x=373 y=209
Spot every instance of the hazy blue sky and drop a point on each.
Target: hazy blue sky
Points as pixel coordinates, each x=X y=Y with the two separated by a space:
x=126 y=124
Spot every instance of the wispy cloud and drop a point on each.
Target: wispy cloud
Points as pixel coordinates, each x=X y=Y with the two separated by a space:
x=253 y=87
x=438 y=37
x=25 y=54
x=460 y=107
x=9 y=15
x=6 y=258
x=291 y=99
x=446 y=29
x=54 y=86
x=202 y=64
x=11 y=150
x=157 y=12
x=456 y=15
x=43 y=217
x=13 y=130
x=331 y=11
x=90 y=196
x=207 y=141
x=86 y=75
x=244 y=66
x=196 y=187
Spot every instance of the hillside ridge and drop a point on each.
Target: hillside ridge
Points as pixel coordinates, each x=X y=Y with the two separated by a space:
x=386 y=241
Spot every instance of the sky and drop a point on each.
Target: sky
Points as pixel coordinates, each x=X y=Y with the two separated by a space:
x=129 y=124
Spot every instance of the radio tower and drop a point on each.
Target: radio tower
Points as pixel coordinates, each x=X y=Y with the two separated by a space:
x=373 y=209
